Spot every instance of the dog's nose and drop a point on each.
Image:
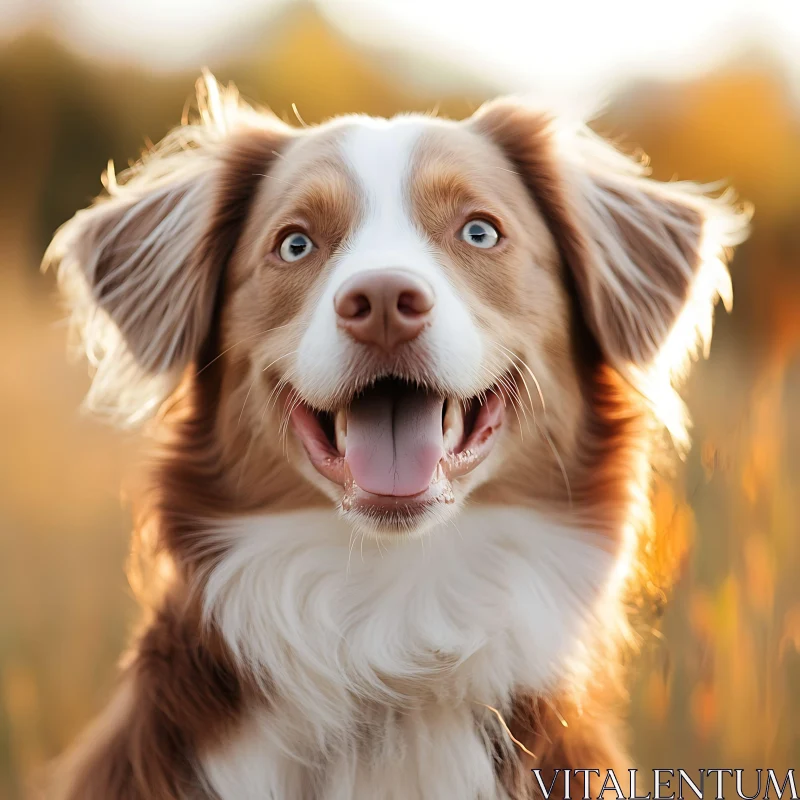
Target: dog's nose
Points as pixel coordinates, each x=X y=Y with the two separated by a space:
x=384 y=307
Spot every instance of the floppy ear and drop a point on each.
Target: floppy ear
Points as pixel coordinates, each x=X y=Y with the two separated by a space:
x=646 y=258
x=140 y=269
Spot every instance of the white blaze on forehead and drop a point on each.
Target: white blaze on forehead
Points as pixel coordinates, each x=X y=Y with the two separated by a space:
x=380 y=156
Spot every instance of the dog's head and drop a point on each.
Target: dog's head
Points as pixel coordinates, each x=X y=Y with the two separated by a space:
x=409 y=312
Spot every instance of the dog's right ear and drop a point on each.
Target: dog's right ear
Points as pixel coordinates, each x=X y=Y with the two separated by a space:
x=140 y=268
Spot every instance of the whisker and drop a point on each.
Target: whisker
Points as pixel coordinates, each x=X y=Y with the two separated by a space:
x=542 y=430
x=275 y=393
x=283 y=426
x=277 y=389
x=285 y=355
x=284 y=429
x=236 y=344
x=513 y=393
x=286 y=418
x=252 y=384
x=512 y=171
x=274 y=178
x=516 y=398
x=530 y=372
x=507 y=730
x=558 y=458
x=458 y=530
x=299 y=118
x=513 y=406
x=261 y=424
x=522 y=377
x=353 y=534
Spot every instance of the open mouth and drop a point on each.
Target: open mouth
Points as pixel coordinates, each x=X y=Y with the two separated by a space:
x=397 y=446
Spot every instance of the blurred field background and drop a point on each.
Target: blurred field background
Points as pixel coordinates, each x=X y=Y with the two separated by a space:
x=706 y=95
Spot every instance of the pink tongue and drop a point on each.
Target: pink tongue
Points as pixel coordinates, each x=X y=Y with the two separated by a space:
x=394 y=440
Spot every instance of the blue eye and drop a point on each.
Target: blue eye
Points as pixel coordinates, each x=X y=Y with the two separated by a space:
x=295 y=246
x=480 y=233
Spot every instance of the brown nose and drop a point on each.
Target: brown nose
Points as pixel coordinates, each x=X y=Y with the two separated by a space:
x=384 y=307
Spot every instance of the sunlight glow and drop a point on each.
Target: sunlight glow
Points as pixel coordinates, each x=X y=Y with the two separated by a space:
x=572 y=45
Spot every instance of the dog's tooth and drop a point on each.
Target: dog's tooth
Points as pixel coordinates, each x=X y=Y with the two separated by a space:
x=341 y=430
x=453 y=425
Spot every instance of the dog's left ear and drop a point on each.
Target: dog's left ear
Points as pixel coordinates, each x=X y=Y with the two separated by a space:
x=641 y=253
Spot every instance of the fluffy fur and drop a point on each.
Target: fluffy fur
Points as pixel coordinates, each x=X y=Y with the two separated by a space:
x=296 y=646
x=410 y=647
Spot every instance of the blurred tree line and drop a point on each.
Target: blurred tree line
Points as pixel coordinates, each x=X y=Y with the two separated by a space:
x=719 y=683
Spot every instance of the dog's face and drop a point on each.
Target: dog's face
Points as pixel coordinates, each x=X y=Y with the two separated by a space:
x=411 y=290
x=410 y=312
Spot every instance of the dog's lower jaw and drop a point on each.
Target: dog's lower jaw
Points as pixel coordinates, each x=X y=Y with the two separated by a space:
x=384 y=668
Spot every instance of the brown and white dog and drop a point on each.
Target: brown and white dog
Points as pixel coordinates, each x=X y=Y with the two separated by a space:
x=409 y=374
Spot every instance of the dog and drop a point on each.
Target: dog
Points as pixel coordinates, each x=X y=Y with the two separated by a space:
x=406 y=379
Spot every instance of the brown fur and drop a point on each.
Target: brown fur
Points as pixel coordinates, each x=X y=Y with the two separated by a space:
x=178 y=690
x=664 y=248
x=561 y=736
x=598 y=422
x=237 y=322
x=177 y=694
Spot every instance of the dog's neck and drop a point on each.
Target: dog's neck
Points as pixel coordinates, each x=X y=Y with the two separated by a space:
x=362 y=647
x=469 y=613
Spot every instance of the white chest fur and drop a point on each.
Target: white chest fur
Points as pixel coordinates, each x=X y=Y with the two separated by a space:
x=378 y=660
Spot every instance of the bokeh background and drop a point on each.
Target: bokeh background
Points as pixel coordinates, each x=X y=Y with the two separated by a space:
x=708 y=89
